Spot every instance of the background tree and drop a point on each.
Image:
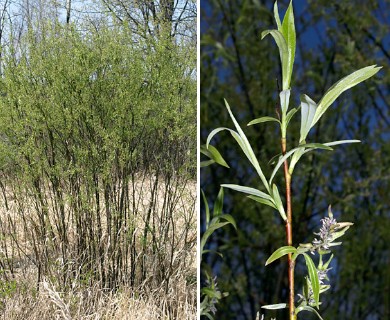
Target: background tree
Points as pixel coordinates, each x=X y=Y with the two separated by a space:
x=333 y=39
x=146 y=17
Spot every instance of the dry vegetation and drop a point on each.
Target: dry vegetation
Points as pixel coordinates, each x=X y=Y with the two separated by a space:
x=164 y=279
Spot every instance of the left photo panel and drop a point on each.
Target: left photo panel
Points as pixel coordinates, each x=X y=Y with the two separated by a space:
x=98 y=159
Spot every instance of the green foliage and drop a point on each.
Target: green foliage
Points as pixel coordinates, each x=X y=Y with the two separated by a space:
x=7 y=288
x=285 y=38
x=354 y=178
x=214 y=155
x=310 y=115
x=339 y=87
x=210 y=293
x=282 y=251
x=84 y=114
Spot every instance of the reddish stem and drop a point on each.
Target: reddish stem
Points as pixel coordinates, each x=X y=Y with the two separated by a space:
x=291 y=263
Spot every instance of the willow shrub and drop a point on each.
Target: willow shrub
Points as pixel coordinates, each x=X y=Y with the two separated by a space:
x=269 y=193
x=97 y=143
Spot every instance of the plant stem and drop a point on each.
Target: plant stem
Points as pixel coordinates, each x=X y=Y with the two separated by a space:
x=291 y=263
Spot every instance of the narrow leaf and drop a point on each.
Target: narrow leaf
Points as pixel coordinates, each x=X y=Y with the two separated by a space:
x=213 y=133
x=313 y=275
x=262 y=119
x=263 y=201
x=284 y=97
x=326 y=265
x=206 y=314
x=297 y=155
x=276 y=15
x=308 y=110
x=218 y=204
x=206 y=163
x=288 y=30
x=295 y=158
x=207 y=209
x=290 y=114
x=248 y=190
x=312 y=146
x=278 y=201
x=213 y=154
x=310 y=309
x=342 y=85
x=335 y=143
x=209 y=232
x=275 y=306
x=211 y=293
x=229 y=218
x=340 y=233
x=280 y=253
x=245 y=145
x=283 y=52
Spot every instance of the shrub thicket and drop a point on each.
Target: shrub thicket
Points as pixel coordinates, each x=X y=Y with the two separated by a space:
x=97 y=157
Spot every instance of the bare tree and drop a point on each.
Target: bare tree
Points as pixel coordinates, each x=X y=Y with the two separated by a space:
x=4 y=12
x=149 y=16
x=68 y=8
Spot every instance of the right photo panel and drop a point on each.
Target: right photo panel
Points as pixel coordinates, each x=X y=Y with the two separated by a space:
x=295 y=156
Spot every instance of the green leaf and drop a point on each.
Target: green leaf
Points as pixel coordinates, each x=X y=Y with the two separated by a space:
x=206 y=163
x=308 y=110
x=290 y=114
x=214 y=132
x=312 y=146
x=244 y=144
x=324 y=288
x=262 y=119
x=248 y=190
x=342 y=85
x=326 y=265
x=310 y=309
x=285 y=38
x=278 y=201
x=288 y=30
x=216 y=252
x=295 y=158
x=208 y=315
x=296 y=254
x=283 y=53
x=218 y=204
x=207 y=209
x=229 y=218
x=277 y=18
x=213 y=154
x=211 y=293
x=335 y=143
x=247 y=148
x=284 y=97
x=313 y=275
x=209 y=232
x=303 y=247
x=280 y=253
x=263 y=201
x=275 y=306
x=340 y=233
x=297 y=155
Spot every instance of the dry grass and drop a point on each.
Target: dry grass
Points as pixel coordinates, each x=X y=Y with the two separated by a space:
x=21 y=297
x=26 y=303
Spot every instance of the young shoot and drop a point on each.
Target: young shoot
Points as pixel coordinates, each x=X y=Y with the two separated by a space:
x=317 y=281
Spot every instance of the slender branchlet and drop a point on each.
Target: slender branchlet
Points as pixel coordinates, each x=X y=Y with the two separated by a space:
x=268 y=194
